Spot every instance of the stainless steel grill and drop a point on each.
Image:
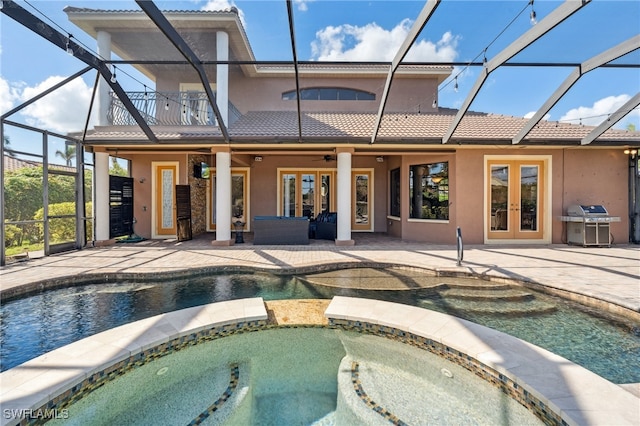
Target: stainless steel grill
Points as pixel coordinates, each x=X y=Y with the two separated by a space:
x=589 y=225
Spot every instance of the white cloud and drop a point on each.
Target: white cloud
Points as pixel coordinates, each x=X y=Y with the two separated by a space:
x=214 y=5
x=63 y=110
x=531 y=114
x=597 y=113
x=8 y=96
x=374 y=43
x=302 y=4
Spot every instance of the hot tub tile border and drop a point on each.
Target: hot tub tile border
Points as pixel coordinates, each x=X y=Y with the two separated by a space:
x=510 y=387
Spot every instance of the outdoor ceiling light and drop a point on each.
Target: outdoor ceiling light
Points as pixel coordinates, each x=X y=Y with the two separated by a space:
x=380 y=159
x=257 y=158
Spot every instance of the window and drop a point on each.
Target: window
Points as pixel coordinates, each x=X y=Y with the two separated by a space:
x=329 y=94
x=429 y=191
x=394 y=192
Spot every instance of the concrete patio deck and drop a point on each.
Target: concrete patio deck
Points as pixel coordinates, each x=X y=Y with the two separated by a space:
x=607 y=274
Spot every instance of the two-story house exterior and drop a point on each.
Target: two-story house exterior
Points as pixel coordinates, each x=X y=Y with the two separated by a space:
x=276 y=154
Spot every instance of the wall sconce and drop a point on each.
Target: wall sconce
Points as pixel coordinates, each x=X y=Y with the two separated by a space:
x=380 y=159
x=257 y=158
x=631 y=151
x=142 y=180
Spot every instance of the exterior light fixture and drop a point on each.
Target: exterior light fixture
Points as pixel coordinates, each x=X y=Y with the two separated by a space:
x=434 y=104
x=380 y=159
x=69 y=48
x=257 y=158
x=631 y=151
x=532 y=14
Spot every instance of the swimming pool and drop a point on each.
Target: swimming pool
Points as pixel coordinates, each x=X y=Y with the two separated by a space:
x=289 y=376
x=609 y=348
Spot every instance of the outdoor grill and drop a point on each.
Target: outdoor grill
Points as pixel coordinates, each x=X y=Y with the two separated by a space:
x=588 y=225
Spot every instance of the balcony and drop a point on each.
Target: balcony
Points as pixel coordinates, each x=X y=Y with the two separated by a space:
x=168 y=109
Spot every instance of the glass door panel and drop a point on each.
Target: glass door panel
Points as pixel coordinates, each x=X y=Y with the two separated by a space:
x=529 y=197
x=288 y=192
x=499 y=197
x=308 y=195
x=325 y=193
x=361 y=219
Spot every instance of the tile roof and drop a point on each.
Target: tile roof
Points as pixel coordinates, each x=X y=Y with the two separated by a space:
x=475 y=128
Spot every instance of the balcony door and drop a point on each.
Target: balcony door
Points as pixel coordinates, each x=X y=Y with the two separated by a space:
x=516 y=192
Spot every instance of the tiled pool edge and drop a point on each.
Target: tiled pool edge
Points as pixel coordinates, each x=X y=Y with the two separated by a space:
x=43 y=387
x=498 y=359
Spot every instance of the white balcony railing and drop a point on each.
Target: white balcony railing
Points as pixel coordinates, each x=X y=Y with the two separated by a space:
x=168 y=109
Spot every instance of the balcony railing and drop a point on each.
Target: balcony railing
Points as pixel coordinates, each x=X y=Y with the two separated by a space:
x=168 y=109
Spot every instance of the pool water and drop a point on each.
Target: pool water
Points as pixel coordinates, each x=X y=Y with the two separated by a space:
x=299 y=376
x=608 y=348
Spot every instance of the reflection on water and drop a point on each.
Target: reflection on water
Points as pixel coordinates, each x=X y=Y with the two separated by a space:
x=41 y=323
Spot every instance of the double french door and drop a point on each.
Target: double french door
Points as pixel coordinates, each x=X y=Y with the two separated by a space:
x=306 y=193
x=516 y=192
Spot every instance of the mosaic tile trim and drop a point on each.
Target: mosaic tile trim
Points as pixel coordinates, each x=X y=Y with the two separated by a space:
x=504 y=383
x=98 y=379
x=233 y=384
x=357 y=386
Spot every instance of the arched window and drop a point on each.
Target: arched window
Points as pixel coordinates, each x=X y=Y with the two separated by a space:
x=329 y=94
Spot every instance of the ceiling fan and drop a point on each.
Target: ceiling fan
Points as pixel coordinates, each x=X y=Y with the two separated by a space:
x=327 y=158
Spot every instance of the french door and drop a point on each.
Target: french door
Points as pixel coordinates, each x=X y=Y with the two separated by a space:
x=516 y=193
x=306 y=192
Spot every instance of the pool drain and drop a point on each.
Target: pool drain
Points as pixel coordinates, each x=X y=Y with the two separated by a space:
x=162 y=371
x=446 y=373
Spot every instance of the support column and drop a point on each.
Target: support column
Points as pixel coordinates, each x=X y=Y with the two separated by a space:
x=104 y=51
x=222 y=75
x=223 y=198
x=344 y=198
x=101 y=199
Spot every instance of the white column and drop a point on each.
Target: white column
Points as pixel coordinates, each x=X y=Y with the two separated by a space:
x=101 y=201
x=344 y=199
x=223 y=198
x=104 y=51
x=222 y=75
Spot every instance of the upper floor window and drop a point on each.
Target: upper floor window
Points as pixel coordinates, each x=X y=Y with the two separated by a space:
x=329 y=94
x=429 y=191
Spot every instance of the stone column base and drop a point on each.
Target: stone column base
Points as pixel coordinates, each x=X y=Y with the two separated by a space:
x=222 y=243
x=345 y=243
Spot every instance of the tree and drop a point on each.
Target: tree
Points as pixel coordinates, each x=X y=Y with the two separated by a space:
x=68 y=155
x=116 y=169
x=7 y=143
x=631 y=127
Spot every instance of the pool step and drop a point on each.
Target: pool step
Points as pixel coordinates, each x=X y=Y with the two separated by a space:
x=494 y=307
x=509 y=294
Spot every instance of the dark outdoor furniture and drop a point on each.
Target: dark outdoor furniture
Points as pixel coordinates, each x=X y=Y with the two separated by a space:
x=326 y=226
x=280 y=230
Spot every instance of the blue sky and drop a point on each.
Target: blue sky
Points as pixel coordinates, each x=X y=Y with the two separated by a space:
x=360 y=31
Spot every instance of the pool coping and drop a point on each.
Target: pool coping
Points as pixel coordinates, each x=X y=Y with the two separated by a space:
x=574 y=393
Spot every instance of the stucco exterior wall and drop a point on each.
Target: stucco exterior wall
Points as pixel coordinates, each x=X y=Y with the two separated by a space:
x=576 y=176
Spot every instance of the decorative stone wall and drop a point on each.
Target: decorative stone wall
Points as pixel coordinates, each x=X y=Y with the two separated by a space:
x=198 y=195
